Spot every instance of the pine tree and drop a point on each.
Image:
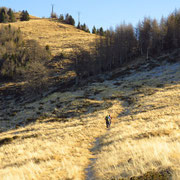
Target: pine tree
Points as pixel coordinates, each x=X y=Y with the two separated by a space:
x=3 y=15
x=69 y=20
x=101 y=31
x=94 y=31
x=79 y=26
x=145 y=36
x=177 y=26
x=54 y=15
x=11 y=15
x=155 y=39
x=61 y=18
x=24 y=16
x=163 y=32
x=84 y=27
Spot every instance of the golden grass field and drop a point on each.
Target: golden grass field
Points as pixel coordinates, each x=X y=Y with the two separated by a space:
x=69 y=139
x=61 y=38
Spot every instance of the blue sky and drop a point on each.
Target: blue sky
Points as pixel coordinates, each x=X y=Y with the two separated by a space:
x=103 y=13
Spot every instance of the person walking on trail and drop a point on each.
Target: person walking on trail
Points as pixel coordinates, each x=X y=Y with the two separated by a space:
x=108 y=121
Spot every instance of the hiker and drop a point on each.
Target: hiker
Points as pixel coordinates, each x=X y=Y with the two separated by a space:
x=108 y=121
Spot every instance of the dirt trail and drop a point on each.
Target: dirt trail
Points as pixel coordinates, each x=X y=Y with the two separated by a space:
x=90 y=174
x=89 y=171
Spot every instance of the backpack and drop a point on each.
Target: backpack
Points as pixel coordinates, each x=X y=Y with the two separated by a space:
x=107 y=118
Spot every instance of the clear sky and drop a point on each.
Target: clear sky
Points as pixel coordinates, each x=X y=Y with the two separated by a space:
x=103 y=13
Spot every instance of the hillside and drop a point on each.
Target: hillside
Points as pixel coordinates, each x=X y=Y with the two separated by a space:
x=63 y=136
x=61 y=38
x=60 y=133
x=17 y=15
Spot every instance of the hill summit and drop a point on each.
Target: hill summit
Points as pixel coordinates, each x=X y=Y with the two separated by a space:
x=58 y=36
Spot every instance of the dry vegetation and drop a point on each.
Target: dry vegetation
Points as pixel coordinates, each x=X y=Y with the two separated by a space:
x=146 y=137
x=61 y=38
x=64 y=135
x=17 y=15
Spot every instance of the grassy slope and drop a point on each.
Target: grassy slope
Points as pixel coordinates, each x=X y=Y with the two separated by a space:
x=17 y=15
x=144 y=135
x=60 y=37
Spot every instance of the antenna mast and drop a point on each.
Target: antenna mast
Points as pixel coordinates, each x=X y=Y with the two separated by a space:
x=79 y=17
x=52 y=13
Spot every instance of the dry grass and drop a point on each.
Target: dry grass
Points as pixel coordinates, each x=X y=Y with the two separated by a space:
x=144 y=136
x=17 y=15
x=50 y=149
x=61 y=38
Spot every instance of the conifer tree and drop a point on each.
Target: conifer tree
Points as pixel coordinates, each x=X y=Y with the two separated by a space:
x=3 y=15
x=69 y=20
x=84 y=27
x=155 y=37
x=101 y=31
x=163 y=32
x=79 y=26
x=24 y=16
x=11 y=15
x=61 y=18
x=94 y=30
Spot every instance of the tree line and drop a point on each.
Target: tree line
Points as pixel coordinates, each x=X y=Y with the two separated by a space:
x=8 y=15
x=68 y=19
x=123 y=44
x=99 y=31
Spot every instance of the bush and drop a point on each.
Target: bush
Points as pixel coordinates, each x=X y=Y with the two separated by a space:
x=16 y=56
x=36 y=75
x=47 y=48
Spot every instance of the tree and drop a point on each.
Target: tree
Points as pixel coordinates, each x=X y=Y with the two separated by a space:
x=155 y=47
x=24 y=16
x=11 y=15
x=101 y=31
x=79 y=26
x=144 y=36
x=94 y=31
x=3 y=15
x=54 y=15
x=85 y=28
x=61 y=18
x=163 y=33
x=69 y=20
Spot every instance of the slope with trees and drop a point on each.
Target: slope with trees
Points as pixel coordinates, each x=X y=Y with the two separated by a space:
x=24 y=16
x=6 y=15
x=149 y=38
x=22 y=61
